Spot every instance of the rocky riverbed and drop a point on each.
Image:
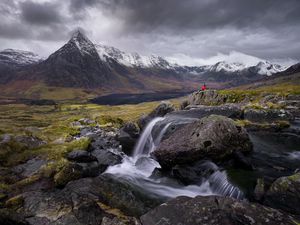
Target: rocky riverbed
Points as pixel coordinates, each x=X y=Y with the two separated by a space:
x=211 y=162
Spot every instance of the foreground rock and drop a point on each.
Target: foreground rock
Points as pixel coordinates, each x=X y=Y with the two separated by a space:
x=213 y=210
x=100 y=200
x=284 y=194
x=128 y=136
x=159 y=111
x=213 y=137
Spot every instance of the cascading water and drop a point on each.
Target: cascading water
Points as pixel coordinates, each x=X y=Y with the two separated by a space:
x=138 y=169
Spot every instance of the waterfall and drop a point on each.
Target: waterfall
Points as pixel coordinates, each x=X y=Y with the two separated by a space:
x=146 y=144
x=138 y=169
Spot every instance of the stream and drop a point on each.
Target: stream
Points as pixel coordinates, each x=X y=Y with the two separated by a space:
x=273 y=156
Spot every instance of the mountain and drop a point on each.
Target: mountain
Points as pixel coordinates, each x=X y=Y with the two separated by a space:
x=12 y=60
x=93 y=68
x=18 y=58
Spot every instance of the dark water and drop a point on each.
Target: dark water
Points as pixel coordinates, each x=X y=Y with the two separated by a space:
x=274 y=155
x=121 y=99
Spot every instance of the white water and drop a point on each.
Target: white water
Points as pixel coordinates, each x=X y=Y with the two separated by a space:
x=139 y=168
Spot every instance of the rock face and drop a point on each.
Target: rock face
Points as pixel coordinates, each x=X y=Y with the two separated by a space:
x=270 y=115
x=209 y=97
x=128 y=136
x=213 y=137
x=213 y=210
x=84 y=201
x=159 y=111
x=284 y=194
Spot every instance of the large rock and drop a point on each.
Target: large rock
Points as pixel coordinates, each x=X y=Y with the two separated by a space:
x=159 y=111
x=213 y=137
x=267 y=115
x=284 y=194
x=213 y=210
x=209 y=97
x=128 y=136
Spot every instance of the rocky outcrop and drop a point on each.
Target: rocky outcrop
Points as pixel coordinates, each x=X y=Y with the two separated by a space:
x=284 y=194
x=159 y=111
x=213 y=137
x=81 y=156
x=213 y=210
x=267 y=115
x=128 y=136
x=209 y=97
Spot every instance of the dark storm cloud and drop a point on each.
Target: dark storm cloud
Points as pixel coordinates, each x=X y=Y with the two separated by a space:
x=40 y=13
x=197 y=28
x=205 y=14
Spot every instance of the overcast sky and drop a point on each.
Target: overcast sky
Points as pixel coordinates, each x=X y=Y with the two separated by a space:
x=185 y=31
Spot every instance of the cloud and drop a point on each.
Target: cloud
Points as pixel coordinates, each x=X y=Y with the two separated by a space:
x=198 y=29
x=40 y=13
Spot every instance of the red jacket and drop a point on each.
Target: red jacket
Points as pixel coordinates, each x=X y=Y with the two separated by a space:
x=203 y=88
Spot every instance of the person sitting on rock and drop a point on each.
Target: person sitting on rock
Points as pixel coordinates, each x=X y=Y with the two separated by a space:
x=203 y=88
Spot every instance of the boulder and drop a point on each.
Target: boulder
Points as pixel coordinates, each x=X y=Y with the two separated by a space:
x=106 y=158
x=128 y=136
x=30 y=142
x=259 y=190
x=214 y=137
x=214 y=210
x=284 y=194
x=81 y=156
x=161 y=110
x=209 y=97
x=267 y=115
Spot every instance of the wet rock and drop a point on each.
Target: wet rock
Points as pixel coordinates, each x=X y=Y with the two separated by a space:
x=161 y=110
x=128 y=136
x=29 y=168
x=195 y=173
x=259 y=190
x=213 y=210
x=114 y=192
x=267 y=115
x=106 y=158
x=81 y=156
x=233 y=111
x=213 y=137
x=284 y=194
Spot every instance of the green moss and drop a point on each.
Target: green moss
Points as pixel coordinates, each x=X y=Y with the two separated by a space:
x=295 y=177
x=68 y=173
x=15 y=202
x=106 y=120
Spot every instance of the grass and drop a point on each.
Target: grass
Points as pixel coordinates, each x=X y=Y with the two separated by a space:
x=54 y=125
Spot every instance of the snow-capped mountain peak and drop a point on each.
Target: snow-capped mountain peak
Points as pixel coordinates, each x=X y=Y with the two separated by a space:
x=84 y=45
x=131 y=59
x=267 y=68
x=227 y=67
x=18 y=57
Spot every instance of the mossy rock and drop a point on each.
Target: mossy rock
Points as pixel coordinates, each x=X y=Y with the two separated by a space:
x=106 y=120
x=284 y=194
x=67 y=173
x=15 y=202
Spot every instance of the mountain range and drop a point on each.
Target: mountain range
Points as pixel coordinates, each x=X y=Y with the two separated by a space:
x=81 y=64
